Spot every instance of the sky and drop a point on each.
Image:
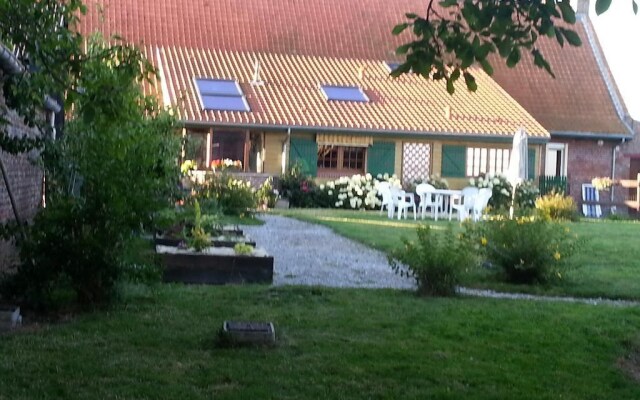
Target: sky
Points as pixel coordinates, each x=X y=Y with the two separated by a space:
x=618 y=31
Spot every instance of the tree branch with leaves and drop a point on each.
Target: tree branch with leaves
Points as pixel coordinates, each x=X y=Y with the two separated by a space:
x=454 y=35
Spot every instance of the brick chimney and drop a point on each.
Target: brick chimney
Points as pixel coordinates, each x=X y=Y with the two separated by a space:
x=583 y=7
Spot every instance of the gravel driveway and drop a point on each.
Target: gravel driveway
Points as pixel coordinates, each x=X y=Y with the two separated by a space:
x=308 y=254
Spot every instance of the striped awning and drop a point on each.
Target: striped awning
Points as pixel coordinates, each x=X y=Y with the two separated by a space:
x=344 y=140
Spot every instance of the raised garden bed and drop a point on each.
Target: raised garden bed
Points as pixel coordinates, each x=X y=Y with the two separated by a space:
x=229 y=241
x=215 y=266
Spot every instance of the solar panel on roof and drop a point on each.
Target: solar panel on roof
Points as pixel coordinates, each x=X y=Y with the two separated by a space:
x=219 y=87
x=344 y=93
x=221 y=95
x=225 y=103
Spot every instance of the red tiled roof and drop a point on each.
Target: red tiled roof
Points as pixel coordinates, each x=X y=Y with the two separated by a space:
x=577 y=100
x=291 y=96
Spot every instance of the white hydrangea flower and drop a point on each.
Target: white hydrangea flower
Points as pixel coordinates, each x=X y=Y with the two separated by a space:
x=352 y=203
x=330 y=192
x=472 y=182
x=321 y=187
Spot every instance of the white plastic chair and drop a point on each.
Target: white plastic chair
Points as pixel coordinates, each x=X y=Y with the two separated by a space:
x=463 y=204
x=428 y=199
x=592 y=195
x=384 y=189
x=481 y=202
x=404 y=201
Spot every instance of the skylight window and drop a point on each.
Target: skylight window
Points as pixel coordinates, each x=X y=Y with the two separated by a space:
x=221 y=95
x=344 y=93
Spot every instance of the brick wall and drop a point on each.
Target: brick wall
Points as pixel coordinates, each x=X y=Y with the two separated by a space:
x=25 y=180
x=629 y=164
x=588 y=160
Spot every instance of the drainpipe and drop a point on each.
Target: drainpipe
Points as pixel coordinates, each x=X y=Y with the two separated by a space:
x=613 y=174
x=9 y=61
x=285 y=148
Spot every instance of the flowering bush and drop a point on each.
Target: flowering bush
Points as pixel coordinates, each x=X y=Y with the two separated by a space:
x=267 y=195
x=435 y=261
x=222 y=165
x=354 y=193
x=297 y=187
x=603 y=184
x=557 y=206
x=526 y=193
x=187 y=166
x=437 y=182
x=233 y=196
x=434 y=180
x=527 y=249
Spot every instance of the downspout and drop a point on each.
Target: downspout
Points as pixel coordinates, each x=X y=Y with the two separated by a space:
x=285 y=150
x=613 y=174
x=9 y=61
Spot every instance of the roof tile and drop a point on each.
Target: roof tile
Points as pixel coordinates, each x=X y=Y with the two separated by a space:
x=578 y=100
x=291 y=96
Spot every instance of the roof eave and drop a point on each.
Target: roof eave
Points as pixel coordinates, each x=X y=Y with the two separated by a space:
x=592 y=135
x=488 y=137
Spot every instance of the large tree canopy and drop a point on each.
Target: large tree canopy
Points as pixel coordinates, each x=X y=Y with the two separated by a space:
x=453 y=35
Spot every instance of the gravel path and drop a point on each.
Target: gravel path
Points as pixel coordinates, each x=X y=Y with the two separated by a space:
x=308 y=254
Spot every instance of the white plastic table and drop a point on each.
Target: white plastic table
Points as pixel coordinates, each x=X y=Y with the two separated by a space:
x=445 y=195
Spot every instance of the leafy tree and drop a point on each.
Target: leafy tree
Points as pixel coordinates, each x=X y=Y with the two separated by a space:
x=42 y=35
x=112 y=170
x=454 y=35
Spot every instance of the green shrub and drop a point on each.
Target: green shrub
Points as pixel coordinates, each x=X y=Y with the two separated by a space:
x=527 y=249
x=435 y=261
x=526 y=192
x=266 y=196
x=106 y=178
x=297 y=187
x=557 y=206
x=198 y=239
x=243 y=249
x=231 y=196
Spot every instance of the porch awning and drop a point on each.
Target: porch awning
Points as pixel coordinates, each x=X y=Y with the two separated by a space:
x=344 y=140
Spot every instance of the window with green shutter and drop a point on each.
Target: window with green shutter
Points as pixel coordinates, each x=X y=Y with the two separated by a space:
x=381 y=158
x=532 y=163
x=453 y=161
x=304 y=151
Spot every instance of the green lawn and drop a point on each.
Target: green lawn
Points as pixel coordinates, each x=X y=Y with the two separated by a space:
x=348 y=343
x=609 y=264
x=332 y=344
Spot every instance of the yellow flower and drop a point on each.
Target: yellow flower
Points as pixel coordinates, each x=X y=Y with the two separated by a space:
x=484 y=241
x=556 y=255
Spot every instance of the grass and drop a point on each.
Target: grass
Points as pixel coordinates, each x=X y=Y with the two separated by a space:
x=334 y=344
x=607 y=266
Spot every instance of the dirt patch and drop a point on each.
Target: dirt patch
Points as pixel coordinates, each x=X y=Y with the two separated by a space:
x=630 y=364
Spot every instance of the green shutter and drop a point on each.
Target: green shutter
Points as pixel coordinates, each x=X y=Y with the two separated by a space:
x=304 y=151
x=532 y=163
x=454 y=161
x=381 y=158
